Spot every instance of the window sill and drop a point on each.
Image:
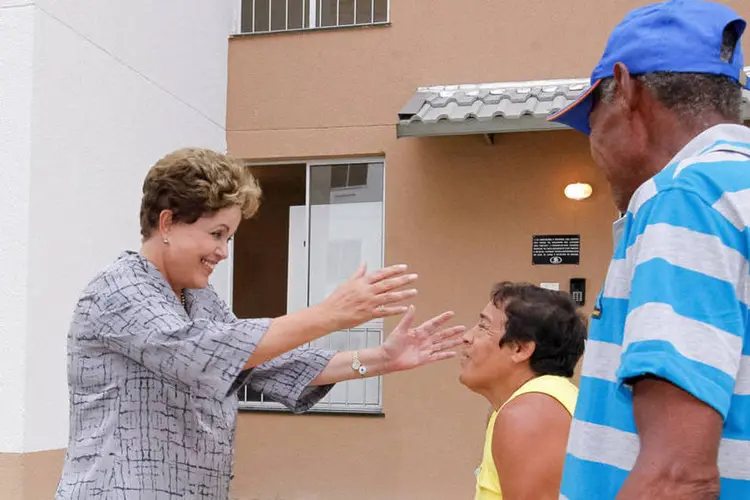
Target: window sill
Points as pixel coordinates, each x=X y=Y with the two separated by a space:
x=312 y=30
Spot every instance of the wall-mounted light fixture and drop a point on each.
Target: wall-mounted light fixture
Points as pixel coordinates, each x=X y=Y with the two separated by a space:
x=578 y=191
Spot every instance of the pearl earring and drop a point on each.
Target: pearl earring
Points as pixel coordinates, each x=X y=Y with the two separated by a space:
x=166 y=241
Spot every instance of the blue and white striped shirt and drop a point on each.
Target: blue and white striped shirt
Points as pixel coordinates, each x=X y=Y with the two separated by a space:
x=674 y=305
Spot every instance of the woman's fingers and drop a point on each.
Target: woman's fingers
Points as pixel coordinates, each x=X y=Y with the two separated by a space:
x=361 y=270
x=364 y=297
x=385 y=273
x=390 y=284
x=390 y=298
x=385 y=311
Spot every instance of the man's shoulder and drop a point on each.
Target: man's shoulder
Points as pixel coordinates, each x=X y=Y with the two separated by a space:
x=531 y=413
x=530 y=423
x=714 y=182
x=711 y=174
x=716 y=164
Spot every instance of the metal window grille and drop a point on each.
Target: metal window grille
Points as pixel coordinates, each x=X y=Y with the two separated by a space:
x=352 y=396
x=266 y=16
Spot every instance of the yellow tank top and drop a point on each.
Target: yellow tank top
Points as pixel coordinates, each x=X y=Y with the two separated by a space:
x=560 y=388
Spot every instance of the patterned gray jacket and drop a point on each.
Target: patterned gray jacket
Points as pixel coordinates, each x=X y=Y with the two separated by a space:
x=153 y=401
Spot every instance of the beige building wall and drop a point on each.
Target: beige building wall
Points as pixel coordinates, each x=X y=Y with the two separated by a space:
x=30 y=476
x=462 y=214
x=459 y=211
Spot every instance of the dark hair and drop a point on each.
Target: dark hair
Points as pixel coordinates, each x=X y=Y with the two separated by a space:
x=691 y=95
x=546 y=317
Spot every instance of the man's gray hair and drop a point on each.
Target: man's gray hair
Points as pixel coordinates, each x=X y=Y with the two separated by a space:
x=689 y=95
x=692 y=95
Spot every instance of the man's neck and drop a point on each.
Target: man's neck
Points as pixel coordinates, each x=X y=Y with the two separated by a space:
x=668 y=135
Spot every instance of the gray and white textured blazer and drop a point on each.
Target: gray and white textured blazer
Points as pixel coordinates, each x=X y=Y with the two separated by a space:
x=153 y=384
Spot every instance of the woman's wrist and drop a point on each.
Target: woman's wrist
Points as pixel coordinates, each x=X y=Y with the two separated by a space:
x=322 y=318
x=376 y=360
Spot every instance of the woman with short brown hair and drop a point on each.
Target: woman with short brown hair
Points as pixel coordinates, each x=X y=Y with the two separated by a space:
x=155 y=357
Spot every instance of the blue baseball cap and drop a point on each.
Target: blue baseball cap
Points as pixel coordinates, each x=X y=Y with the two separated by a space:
x=681 y=36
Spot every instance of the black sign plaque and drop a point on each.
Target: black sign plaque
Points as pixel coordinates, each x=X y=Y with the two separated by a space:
x=556 y=249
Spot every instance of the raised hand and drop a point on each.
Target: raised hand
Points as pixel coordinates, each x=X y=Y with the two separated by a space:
x=364 y=297
x=407 y=347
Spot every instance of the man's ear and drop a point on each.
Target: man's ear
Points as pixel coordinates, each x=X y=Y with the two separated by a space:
x=625 y=86
x=522 y=351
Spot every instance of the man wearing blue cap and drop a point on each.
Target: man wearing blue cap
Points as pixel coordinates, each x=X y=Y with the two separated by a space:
x=664 y=404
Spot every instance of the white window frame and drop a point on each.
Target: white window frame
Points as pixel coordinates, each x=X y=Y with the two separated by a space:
x=312 y=18
x=355 y=408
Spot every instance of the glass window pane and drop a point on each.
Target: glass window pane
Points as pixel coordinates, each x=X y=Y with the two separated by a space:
x=372 y=385
x=381 y=11
x=278 y=15
x=297 y=14
x=364 y=11
x=328 y=184
x=314 y=239
x=339 y=174
x=327 y=13
x=357 y=174
x=261 y=15
x=270 y=279
x=346 y=229
x=246 y=23
x=346 y=12
x=246 y=394
x=356 y=388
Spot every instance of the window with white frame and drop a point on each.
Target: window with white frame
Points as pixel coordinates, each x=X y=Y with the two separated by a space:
x=265 y=16
x=318 y=222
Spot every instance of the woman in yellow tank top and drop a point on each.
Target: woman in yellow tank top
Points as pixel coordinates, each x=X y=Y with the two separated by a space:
x=520 y=357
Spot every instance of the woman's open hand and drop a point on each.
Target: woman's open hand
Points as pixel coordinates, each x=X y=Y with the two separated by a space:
x=407 y=348
x=364 y=297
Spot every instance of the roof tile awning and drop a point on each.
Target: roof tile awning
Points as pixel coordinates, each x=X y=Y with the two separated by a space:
x=491 y=108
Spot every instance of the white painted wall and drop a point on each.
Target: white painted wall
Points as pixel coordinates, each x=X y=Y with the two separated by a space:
x=116 y=85
x=16 y=54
